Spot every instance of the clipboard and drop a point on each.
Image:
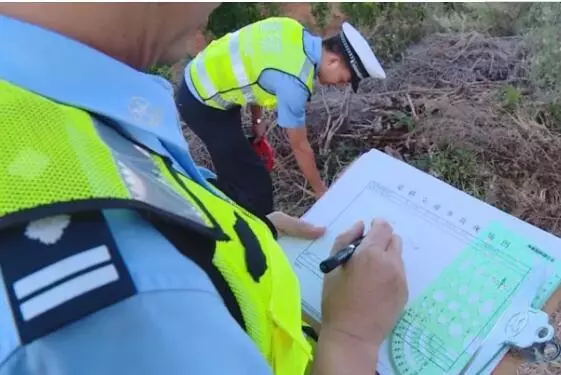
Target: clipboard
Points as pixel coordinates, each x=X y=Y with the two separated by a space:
x=421 y=207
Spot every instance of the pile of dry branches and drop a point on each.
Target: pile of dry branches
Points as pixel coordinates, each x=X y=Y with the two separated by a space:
x=453 y=60
x=445 y=92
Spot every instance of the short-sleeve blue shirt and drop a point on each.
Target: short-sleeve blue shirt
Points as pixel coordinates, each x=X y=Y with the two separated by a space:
x=183 y=331
x=291 y=95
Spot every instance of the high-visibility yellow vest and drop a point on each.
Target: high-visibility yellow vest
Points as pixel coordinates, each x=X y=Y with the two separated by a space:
x=226 y=73
x=57 y=159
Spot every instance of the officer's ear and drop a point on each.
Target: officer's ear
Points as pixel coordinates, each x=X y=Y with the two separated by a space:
x=333 y=59
x=333 y=49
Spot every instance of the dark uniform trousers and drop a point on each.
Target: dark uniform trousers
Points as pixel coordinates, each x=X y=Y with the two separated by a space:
x=241 y=173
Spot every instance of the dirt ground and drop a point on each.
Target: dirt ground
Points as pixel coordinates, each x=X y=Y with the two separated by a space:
x=459 y=107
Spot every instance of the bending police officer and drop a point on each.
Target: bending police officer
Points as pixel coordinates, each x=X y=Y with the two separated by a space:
x=273 y=63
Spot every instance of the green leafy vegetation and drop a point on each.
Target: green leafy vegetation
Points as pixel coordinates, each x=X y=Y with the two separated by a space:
x=509 y=97
x=390 y=27
x=363 y=14
x=543 y=41
x=320 y=11
x=229 y=17
x=163 y=71
x=456 y=166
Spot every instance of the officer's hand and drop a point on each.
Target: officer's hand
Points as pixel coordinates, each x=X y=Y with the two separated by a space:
x=291 y=226
x=363 y=299
x=259 y=130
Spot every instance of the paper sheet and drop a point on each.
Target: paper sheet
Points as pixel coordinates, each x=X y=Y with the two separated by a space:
x=438 y=224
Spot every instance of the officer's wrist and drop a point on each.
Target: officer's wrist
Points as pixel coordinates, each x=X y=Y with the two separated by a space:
x=271 y=226
x=342 y=338
x=338 y=353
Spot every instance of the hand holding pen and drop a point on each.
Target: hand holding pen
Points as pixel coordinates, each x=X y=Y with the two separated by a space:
x=364 y=295
x=340 y=257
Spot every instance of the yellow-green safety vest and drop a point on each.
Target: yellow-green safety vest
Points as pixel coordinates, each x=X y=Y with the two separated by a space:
x=226 y=73
x=58 y=159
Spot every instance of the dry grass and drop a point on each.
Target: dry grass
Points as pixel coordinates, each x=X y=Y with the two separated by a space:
x=446 y=98
x=444 y=95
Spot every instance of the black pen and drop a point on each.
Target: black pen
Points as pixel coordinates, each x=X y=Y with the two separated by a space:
x=340 y=257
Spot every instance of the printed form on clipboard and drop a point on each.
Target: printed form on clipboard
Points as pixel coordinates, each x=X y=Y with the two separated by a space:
x=465 y=263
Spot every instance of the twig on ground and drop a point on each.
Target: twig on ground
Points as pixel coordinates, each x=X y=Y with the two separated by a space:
x=412 y=106
x=332 y=130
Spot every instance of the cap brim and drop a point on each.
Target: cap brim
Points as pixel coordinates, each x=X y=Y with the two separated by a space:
x=364 y=52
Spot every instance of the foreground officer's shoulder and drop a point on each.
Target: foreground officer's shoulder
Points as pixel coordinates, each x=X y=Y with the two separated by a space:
x=157 y=333
x=176 y=321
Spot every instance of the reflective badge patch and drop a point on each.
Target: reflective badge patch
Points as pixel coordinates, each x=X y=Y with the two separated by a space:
x=47 y=230
x=59 y=270
x=143 y=178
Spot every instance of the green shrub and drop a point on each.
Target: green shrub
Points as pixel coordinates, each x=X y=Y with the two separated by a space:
x=543 y=41
x=320 y=11
x=510 y=97
x=229 y=17
x=161 y=70
x=390 y=27
x=499 y=19
x=455 y=166
x=448 y=17
x=362 y=14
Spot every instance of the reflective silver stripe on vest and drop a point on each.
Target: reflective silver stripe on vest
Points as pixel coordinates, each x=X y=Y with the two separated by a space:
x=222 y=102
x=305 y=71
x=201 y=73
x=143 y=178
x=211 y=91
x=239 y=68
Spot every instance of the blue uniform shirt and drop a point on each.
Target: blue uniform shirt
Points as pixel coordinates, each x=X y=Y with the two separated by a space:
x=182 y=331
x=291 y=95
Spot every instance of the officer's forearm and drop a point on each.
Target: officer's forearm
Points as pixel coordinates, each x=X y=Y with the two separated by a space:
x=337 y=353
x=307 y=162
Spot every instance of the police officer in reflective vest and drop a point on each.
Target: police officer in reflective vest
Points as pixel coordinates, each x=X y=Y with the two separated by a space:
x=271 y=63
x=116 y=254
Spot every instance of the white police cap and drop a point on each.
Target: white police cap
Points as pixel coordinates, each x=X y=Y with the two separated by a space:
x=360 y=56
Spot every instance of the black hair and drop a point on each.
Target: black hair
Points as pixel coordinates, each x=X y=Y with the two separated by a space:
x=339 y=45
x=334 y=44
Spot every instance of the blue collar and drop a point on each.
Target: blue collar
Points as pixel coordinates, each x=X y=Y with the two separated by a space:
x=313 y=48
x=74 y=74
